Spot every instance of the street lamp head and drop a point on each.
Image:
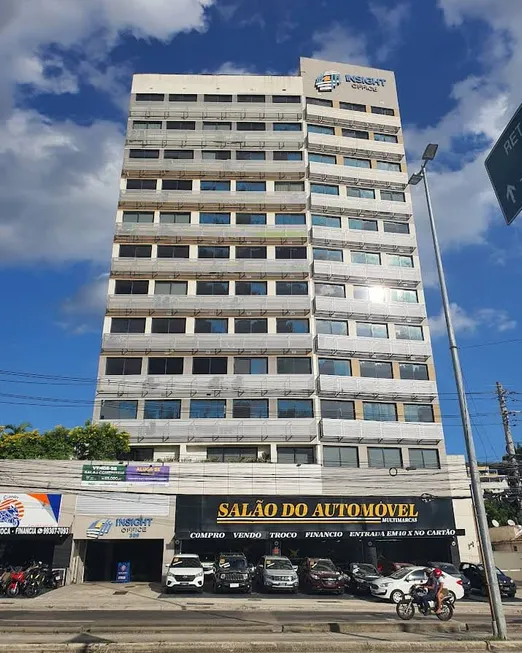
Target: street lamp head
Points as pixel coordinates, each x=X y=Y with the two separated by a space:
x=415 y=179
x=430 y=152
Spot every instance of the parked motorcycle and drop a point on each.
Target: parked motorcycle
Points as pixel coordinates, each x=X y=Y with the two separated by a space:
x=415 y=601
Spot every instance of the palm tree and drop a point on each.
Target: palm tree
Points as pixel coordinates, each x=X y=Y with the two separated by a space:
x=16 y=429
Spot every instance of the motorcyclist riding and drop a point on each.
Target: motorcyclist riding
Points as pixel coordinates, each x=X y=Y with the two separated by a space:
x=434 y=586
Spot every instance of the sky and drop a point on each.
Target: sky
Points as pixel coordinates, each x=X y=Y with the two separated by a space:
x=64 y=90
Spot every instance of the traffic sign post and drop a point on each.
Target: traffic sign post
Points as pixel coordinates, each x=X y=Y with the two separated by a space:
x=504 y=167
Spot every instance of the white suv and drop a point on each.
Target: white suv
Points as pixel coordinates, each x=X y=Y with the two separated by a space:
x=185 y=572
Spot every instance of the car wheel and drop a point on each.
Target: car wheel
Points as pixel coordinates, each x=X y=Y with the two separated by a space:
x=396 y=596
x=167 y=590
x=452 y=597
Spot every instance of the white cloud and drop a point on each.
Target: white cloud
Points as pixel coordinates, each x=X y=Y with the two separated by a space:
x=469 y=322
x=82 y=312
x=390 y=22
x=231 y=68
x=340 y=44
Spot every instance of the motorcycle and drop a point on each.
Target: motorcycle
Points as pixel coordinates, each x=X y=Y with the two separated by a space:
x=406 y=608
x=15 y=582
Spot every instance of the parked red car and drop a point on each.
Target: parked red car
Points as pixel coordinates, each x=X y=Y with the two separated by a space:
x=320 y=575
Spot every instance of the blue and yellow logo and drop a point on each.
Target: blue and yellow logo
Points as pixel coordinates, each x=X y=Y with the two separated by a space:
x=328 y=80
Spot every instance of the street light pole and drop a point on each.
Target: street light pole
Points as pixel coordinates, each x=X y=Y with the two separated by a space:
x=497 y=609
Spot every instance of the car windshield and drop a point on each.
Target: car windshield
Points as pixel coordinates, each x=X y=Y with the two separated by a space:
x=400 y=573
x=499 y=571
x=232 y=562
x=365 y=570
x=185 y=562
x=322 y=565
x=278 y=563
x=448 y=569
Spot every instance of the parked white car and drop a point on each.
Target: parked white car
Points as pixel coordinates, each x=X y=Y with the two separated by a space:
x=395 y=587
x=185 y=572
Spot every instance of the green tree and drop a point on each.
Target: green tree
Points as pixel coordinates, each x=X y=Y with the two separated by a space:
x=99 y=442
x=498 y=508
x=15 y=429
x=57 y=444
x=28 y=445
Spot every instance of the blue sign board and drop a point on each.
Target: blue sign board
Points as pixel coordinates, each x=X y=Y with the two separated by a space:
x=123 y=572
x=504 y=167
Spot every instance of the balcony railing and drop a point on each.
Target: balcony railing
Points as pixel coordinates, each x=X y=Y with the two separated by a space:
x=353 y=119
x=348 y=431
x=370 y=388
x=268 y=140
x=357 y=147
x=212 y=305
x=352 y=176
x=257 y=112
x=360 y=207
x=338 y=308
x=372 y=347
x=257 y=343
x=374 y=274
x=367 y=240
x=203 y=169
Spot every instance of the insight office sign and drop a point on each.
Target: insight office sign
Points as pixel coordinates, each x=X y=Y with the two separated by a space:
x=331 y=79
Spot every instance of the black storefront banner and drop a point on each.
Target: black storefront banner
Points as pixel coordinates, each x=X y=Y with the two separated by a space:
x=237 y=517
x=34 y=530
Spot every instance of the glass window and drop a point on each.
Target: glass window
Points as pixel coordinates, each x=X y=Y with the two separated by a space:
x=295 y=408
x=243 y=155
x=408 y=332
x=418 y=413
x=290 y=252
x=216 y=97
x=122 y=366
x=356 y=133
x=250 y=252
x=217 y=126
x=250 y=408
x=357 y=163
x=147 y=124
x=149 y=97
x=414 y=371
x=385 y=138
x=326 y=221
x=128 y=325
x=162 y=409
x=365 y=193
x=332 y=327
x=251 y=98
x=183 y=97
x=323 y=254
x=289 y=186
x=352 y=106
x=388 y=165
x=216 y=155
x=135 y=251
x=251 y=325
x=168 y=325
x=400 y=295
x=250 y=218
x=250 y=287
x=209 y=251
x=396 y=227
x=210 y=325
x=170 y=288
x=288 y=156
x=231 y=454
x=127 y=287
x=211 y=287
x=376 y=369
x=143 y=217
x=392 y=196
x=340 y=457
x=383 y=111
x=400 y=261
x=250 y=365
x=118 y=409
x=296 y=455
x=213 y=365
x=176 y=184
x=286 y=99
x=251 y=186
x=189 y=125
x=143 y=154
x=291 y=288
x=251 y=127
x=173 y=251
x=366 y=258
x=321 y=129
x=174 y=218
x=362 y=225
x=330 y=289
x=287 y=127
x=335 y=367
x=289 y=219
x=371 y=330
x=424 y=458
x=384 y=457
x=141 y=184
x=337 y=409
x=325 y=189
x=214 y=218
x=165 y=366
x=294 y=365
x=319 y=102
x=214 y=184
x=322 y=158
x=379 y=412
x=292 y=326
x=208 y=408
x=178 y=154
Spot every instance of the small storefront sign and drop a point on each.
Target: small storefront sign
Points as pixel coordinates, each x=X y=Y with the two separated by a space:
x=103 y=474
x=119 y=528
x=123 y=572
x=148 y=474
x=126 y=475
x=29 y=514
x=34 y=530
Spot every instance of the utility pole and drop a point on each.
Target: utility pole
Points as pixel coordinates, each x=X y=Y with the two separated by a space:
x=514 y=472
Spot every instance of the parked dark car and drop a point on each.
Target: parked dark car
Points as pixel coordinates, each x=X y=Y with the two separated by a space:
x=477 y=577
x=359 y=576
x=450 y=569
x=320 y=575
x=232 y=572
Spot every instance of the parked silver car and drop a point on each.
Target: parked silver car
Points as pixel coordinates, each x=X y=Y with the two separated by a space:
x=276 y=573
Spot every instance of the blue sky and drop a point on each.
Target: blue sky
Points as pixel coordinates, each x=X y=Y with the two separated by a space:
x=63 y=94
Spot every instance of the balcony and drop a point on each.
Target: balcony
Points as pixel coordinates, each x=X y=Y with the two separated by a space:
x=360 y=207
x=259 y=343
x=219 y=430
x=199 y=305
x=357 y=147
x=202 y=385
x=210 y=268
x=365 y=240
x=212 y=200
x=376 y=348
x=365 y=177
x=348 y=309
x=203 y=169
x=357 y=431
x=375 y=274
x=350 y=387
x=210 y=234
x=241 y=111
x=211 y=139
x=353 y=119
